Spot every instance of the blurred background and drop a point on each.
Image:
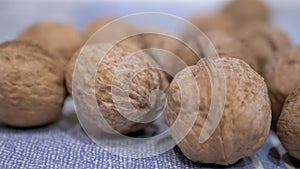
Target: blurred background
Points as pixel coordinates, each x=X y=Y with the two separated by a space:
x=16 y=15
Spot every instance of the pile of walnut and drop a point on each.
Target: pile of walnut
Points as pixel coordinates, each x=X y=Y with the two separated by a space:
x=261 y=69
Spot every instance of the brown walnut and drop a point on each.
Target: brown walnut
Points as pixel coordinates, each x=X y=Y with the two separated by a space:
x=263 y=41
x=32 y=90
x=288 y=128
x=60 y=39
x=246 y=119
x=247 y=11
x=281 y=74
x=141 y=85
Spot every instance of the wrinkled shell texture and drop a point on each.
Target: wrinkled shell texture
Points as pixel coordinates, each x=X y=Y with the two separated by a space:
x=247 y=11
x=140 y=86
x=32 y=88
x=288 y=127
x=246 y=119
x=212 y=22
x=263 y=41
x=60 y=39
x=230 y=46
x=281 y=74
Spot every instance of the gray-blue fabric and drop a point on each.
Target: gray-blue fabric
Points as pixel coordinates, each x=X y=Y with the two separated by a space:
x=65 y=145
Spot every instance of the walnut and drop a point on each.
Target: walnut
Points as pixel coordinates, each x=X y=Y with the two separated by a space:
x=95 y=25
x=247 y=11
x=60 y=39
x=246 y=119
x=281 y=74
x=114 y=30
x=227 y=45
x=32 y=90
x=213 y=22
x=183 y=54
x=288 y=128
x=119 y=63
x=263 y=41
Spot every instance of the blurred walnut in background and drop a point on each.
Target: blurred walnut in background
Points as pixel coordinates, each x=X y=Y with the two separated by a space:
x=229 y=46
x=244 y=12
x=282 y=76
x=177 y=56
x=95 y=25
x=263 y=41
x=110 y=29
x=60 y=39
x=211 y=22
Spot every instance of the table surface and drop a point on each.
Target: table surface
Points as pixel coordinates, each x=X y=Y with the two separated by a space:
x=65 y=145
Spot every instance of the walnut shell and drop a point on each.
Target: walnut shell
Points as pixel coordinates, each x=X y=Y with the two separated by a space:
x=160 y=41
x=246 y=119
x=94 y=25
x=61 y=39
x=288 y=128
x=141 y=85
x=115 y=30
x=230 y=46
x=281 y=74
x=263 y=41
x=211 y=22
x=247 y=11
x=32 y=89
